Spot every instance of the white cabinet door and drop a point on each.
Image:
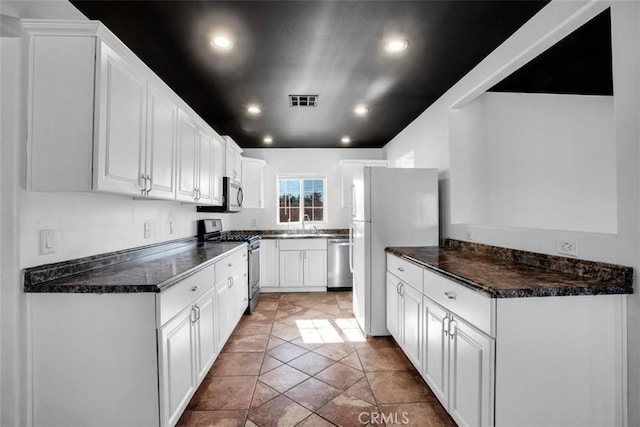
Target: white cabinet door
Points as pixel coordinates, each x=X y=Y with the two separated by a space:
x=470 y=375
x=233 y=159
x=393 y=306
x=217 y=172
x=160 y=151
x=178 y=365
x=205 y=333
x=187 y=151
x=205 y=165
x=315 y=268
x=122 y=126
x=435 y=360
x=253 y=182
x=223 y=312
x=269 y=264
x=239 y=293
x=411 y=323
x=291 y=268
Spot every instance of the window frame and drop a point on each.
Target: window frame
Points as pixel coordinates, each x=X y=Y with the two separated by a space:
x=301 y=177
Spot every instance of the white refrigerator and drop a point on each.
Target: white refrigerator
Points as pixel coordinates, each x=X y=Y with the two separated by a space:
x=389 y=207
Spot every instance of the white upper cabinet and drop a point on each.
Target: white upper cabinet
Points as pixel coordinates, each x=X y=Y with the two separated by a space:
x=162 y=121
x=233 y=159
x=218 y=149
x=253 y=182
x=121 y=126
x=187 y=152
x=205 y=167
x=195 y=162
x=348 y=169
x=100 y=120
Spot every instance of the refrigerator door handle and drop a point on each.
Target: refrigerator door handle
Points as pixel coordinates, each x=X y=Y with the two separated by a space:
x=351 y=248
x=352 y=194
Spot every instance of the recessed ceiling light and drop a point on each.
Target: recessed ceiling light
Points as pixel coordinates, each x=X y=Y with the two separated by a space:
x=221 y=42
x=254 y=109
x=396 y=45
x=345 y=140
x=268 y=140
x=361 y=110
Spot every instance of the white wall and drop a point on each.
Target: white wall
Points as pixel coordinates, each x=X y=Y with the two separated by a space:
x=287 y=160
x=12 y=299
x=534 y=160
x=87 y=224
x=429 y=136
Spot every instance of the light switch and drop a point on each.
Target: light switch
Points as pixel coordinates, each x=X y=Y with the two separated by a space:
x=47 y=242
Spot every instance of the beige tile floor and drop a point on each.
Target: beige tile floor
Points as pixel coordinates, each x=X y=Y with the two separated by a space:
x=301 y=360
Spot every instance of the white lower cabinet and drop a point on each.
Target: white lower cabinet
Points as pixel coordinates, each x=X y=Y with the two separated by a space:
x=269 y=263
x=458 y=365
x=291 y=268
x=178 y=342
x=454 y=358
x=393 y=306
x=232 y=297
x=139 y=356
x=303 y=268
x=404 y=317
x=293 y=264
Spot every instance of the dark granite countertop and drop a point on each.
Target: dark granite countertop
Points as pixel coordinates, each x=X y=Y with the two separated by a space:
x=334 y=233
x=506 y=273
x=148 y=269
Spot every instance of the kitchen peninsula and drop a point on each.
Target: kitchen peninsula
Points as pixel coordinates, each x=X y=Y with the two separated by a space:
x=506 y=337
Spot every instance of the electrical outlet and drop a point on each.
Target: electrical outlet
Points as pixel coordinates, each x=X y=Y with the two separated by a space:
x=567 y=247
x=253 y=222
x=47 y=242
x=147 y=230
x=468 y=235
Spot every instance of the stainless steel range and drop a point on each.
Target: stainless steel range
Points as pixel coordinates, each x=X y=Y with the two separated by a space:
x=211 y=230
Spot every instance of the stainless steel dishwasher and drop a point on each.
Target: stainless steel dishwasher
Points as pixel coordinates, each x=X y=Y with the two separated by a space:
x=339 y=275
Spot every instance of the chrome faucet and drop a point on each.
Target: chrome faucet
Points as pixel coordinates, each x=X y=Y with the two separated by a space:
x=305 y=218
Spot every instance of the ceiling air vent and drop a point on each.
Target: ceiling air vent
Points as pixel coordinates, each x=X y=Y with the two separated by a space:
x=303 y=100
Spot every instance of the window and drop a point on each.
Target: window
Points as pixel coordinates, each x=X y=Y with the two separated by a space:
x=301 y=198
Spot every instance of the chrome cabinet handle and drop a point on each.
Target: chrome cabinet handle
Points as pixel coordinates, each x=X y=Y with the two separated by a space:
x=150 y=184
x=445 y=325
x=452 y=328
x=194 y=288
x=197 y=312
x=451 y=295
x=142 y=184
x=229 y=265
x=398 y=287
x=400 y=268
x=192 y=316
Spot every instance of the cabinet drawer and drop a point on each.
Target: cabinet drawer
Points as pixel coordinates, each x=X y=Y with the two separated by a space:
x=409 y=273
x=472 y=306
x=179 y=296
x=302 y=244
x=225 y=266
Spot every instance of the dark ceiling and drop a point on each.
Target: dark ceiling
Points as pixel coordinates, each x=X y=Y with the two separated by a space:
x=333 y=49
x=579 y=64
